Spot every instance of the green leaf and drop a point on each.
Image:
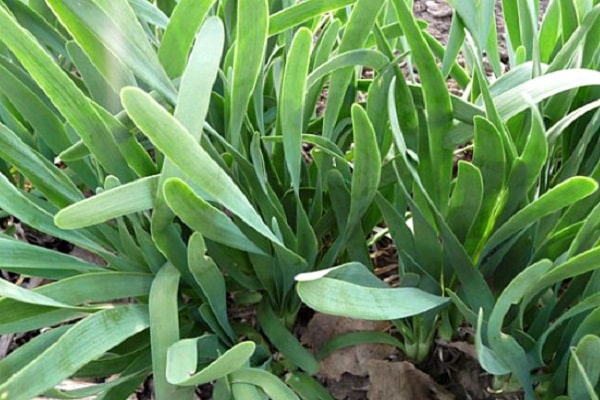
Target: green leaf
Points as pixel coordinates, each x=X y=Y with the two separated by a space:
x=114 y=23
x=179 y=34
x=192 y=105
x=51 y=181
x=34 y=109
x=252 y=25
x=438 y=106
x=82 y=343
x=211 y=281
x=77 y=290
x=181 y=149
x=512 y=102
x=11 y=291
x=356 y=31
x=20 y=357
x=164 y=330
x=584 y=368
x=477 y=17
x=367 y=166
x=65 y=95
x=204 y=218
x=182 y=363
x=132 y=197
x=289 y=17
x=284 y=340
x=269 y=383
x=307 y=387
x=490 y=158
x=323 y=293
x=363 y=57
x=466 y=199
x=24 y=258
x=16 y=203
x=355 y=339
x=580 y=264
x=291 y=105
x=560 y=196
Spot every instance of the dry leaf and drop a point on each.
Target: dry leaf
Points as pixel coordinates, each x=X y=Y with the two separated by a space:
x=351 y=360
x=402 y=381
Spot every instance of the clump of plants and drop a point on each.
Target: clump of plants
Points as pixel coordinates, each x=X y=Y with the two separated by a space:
x=184 y=144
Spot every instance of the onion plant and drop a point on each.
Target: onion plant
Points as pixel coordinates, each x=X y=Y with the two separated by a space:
x=186 y=144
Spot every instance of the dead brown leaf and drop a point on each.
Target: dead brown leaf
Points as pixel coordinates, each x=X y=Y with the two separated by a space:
x=351 y=360
x=402 y=381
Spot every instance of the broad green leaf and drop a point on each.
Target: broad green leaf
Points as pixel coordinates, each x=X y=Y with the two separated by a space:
x=466 y=199
x=252 y=25
x=456 y=38
x=323 y=294
x=164 y=330
x=438 y=107
x=20 y=357
x=99 y=88
x=527 y=168
x=65 y=95
x=242 y=391
x=292 y=16
x=199 y=76
x=322 y=51
x=356 y=338
x=575 y=266
x=114 y=23
x=16 y=203
x=284 y=340
x=513 y=293
x=367 y=166
x=179 y=35
x=182 y=150
x=33 y=108
x=204 y=218
x=77 y=290
x=476 y=292
x=584 y=368
x=24 y=258
x=135 y=154
x=477 y=17
x=269 y=383
x=490 y=158
x=30 y=19
x=558 y=128
x=291 y=105
x=132 y=197
x=363 y=57
x=589 y=303
x=51 y=181
x=585 y=238
x=211 y=281
x=9 y=290
x=570 y=50
x=307 y=387
x=549 y=31
x=356 y=31
x=148 y=12
x=562 y=195
x=486 y=356
x=82 y=343
x=182 y=363
x=192 y=105
x=512 y=102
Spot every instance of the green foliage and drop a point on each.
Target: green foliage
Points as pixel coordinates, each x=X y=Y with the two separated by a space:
x=183 y=143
